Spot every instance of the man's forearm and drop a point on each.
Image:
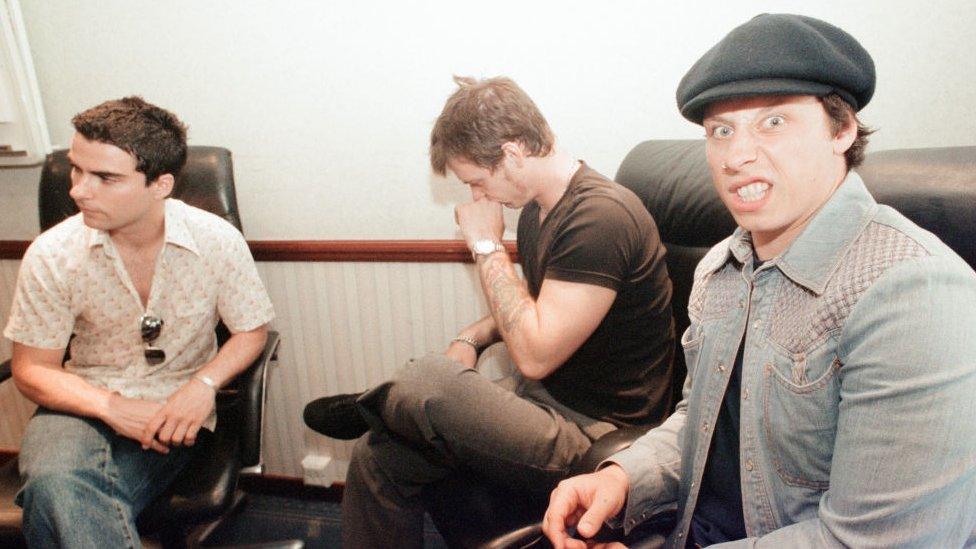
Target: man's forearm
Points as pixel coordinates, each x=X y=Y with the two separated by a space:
x=513 y=311
x=483 y=331
x=59 y=390
x=235 y=355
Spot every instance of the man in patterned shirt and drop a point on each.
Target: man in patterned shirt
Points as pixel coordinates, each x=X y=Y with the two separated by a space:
x=831 y=363
x=140 y=280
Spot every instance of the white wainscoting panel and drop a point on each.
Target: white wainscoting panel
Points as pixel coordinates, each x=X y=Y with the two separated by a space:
x=15 y=410
x=344 y=327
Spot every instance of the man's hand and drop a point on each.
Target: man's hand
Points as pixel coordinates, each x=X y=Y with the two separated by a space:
x=480 y=219
x=461 y=352
x=178 y=421
x=128 y=417
x=584 y=501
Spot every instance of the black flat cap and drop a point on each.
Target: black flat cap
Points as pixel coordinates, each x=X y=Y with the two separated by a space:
x=779 y=54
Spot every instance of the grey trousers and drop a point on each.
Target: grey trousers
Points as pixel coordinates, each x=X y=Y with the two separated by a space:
x=435 y=416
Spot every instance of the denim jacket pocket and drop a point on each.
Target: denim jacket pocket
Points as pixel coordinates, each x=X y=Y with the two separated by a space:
x=800 y=395
x=691 y=344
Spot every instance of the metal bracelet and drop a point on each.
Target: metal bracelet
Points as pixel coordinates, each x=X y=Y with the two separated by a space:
x=470 y=341
x=206 y=381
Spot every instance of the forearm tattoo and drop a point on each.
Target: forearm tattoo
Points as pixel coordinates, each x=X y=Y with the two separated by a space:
x=507 y=294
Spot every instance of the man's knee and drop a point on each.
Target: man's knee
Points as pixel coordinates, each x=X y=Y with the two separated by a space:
x=423 y=379
x=359 y=458
x=53 y=491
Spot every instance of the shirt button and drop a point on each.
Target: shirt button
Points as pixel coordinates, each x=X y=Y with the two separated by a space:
x=721 y=367
x=704 y=426
x=742 y=303
x=681 y=534
x=748 y=465
x=756 y=324
x=745 y=394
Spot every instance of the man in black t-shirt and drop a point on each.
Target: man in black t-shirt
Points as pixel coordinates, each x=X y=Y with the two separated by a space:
x=588 y=333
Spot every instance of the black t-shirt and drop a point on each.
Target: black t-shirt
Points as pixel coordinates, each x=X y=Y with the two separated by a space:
x=600 y=233
x=718 y=513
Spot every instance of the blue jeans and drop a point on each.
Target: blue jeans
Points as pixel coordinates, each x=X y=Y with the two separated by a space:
x=84 y=484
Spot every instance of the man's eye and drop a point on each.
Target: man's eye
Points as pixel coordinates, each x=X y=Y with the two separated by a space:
x=721 y=132
x=774 y=121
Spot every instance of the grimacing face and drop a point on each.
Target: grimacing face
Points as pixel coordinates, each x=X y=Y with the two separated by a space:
x=774 y=163
x=110 y=193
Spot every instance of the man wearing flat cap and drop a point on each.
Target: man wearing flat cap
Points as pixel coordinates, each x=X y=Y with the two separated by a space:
x=831 y=364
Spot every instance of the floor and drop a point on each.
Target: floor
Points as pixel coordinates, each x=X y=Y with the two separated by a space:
x=267 y=518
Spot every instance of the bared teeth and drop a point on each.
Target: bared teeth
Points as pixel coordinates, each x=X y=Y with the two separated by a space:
x=753 y=191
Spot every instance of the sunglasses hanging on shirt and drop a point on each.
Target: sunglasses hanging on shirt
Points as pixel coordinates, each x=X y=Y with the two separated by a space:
x=149 y=327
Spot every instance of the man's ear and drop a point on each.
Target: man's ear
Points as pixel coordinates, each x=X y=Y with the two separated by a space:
x=163 y=185
x=513 y=153
x=845 y=137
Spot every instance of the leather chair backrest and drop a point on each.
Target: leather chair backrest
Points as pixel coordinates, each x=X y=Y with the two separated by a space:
x=206 y=181
x=935 y=188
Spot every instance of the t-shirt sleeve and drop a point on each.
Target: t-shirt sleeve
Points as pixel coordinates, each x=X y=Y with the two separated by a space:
x=242 y=302
x=595 y=244
x=40 y=315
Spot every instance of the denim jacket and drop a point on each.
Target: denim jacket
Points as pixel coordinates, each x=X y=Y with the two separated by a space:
x=858 y=398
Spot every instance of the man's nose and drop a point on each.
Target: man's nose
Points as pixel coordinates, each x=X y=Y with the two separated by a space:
x=741 y=151
x=80 y=187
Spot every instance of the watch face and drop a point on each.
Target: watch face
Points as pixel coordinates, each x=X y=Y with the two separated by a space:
x=484 y=246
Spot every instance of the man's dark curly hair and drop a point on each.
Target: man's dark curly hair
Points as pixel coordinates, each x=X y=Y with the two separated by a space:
x=154 y=136
x=839 y=113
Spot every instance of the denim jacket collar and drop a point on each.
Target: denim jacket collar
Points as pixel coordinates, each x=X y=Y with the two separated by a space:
x=815 y=254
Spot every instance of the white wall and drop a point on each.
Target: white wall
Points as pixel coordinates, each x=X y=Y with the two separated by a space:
x=327 y=106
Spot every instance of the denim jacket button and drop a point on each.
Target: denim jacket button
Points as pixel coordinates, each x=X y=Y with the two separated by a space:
x=721 y=367
x=756 y=324
x=704 y=426
x=748 y=465
x=745 y=394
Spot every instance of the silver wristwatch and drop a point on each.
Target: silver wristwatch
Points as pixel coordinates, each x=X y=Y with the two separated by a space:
x=485 y=247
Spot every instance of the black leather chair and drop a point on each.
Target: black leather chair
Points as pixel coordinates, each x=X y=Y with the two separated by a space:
x=934 y=187
x=207 y=489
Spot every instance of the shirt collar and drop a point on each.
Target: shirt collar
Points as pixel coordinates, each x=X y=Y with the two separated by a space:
x=816 y=253
x=175 y=230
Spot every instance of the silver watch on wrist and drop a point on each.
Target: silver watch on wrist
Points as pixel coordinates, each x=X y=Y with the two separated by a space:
x=485 y=247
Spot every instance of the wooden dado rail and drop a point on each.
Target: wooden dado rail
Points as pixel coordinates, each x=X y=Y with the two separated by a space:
x=388 y=251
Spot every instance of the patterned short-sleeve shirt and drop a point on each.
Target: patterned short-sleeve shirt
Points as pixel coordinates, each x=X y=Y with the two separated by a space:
x=72 y=281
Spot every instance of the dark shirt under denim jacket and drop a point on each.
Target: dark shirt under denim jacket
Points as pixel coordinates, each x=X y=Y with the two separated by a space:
x=858 y=395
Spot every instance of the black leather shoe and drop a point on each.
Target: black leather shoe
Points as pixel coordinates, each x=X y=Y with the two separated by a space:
x=336 y=416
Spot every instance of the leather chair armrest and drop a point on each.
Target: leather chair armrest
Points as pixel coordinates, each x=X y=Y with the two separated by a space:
x=247 y=395
x=607 y=445
x=203 y=491
x=5 y=373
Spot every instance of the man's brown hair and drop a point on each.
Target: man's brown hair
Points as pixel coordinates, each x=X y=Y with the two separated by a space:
x=154 y=136
x=480 y=117
x=839 y=113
